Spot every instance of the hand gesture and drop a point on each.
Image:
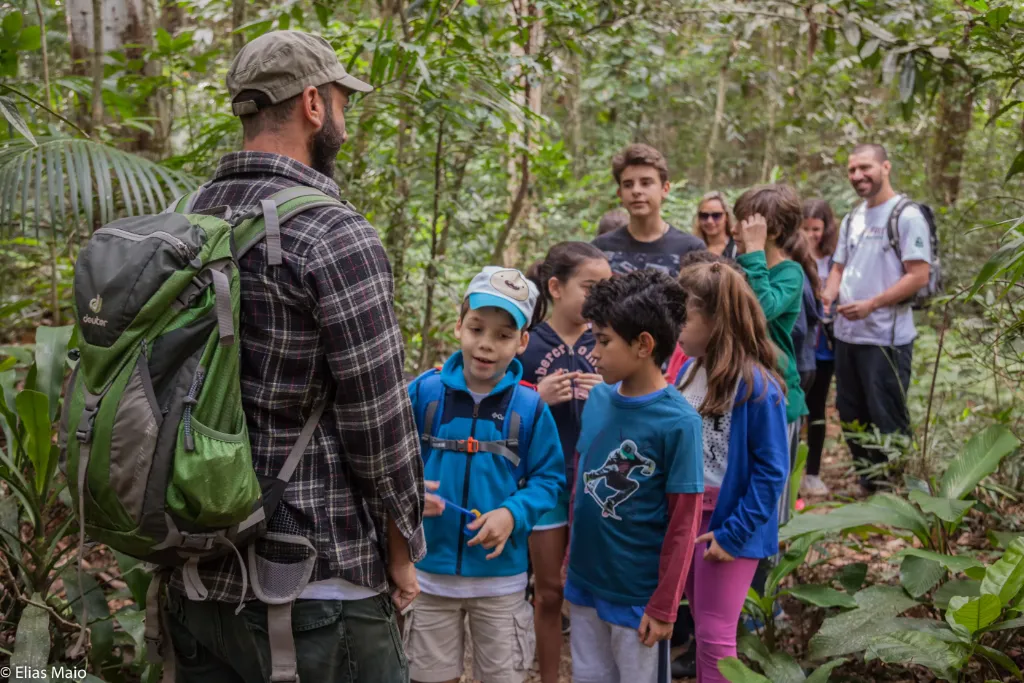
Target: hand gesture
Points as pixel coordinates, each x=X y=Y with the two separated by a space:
x=652 y=630
x=753 y=233
x=495 y=528
x=586 y=382
x=434 y=505
x=406 y=585
x=557 y=388
x=856 y=310
x=715 y=553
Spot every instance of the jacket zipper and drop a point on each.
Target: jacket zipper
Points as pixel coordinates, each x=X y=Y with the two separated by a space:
x=161 y=235
x=465 y=492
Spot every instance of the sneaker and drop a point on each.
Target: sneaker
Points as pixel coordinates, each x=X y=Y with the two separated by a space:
x=812 y=485
x=685 y=665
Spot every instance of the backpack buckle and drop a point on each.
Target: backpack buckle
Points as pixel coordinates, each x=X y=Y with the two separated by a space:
x=196 y=541
x=85 y=423
x=469 y=445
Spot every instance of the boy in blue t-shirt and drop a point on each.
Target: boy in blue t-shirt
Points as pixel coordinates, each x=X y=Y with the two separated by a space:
x=493 y=448
x=638 y=489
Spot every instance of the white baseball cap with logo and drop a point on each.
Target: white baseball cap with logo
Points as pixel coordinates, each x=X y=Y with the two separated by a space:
x=504 y=288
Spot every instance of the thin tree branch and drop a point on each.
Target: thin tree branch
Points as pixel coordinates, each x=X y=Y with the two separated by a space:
x=46 y=58
x=43 y=106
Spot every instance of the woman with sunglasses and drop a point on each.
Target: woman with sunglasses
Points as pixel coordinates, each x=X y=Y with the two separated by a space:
x=713 y=224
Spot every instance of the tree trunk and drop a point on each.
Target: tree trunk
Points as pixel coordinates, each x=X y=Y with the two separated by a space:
x=716 y=124
x=955 y=116
x=507 y=250
x=46 y=58
x=97 y=66
x=122 y=22
x=772 y=92
x=237 y=21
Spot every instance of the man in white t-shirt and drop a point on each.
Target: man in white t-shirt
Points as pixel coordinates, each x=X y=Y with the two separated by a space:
x=873 y=285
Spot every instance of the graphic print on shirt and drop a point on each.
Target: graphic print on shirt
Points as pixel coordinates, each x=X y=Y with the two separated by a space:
x=624 y=262
x=616 y=472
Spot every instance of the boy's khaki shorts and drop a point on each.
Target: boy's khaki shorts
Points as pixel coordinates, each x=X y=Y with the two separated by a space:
x=501 y=630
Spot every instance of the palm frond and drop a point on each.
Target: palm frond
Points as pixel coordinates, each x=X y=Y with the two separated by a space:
x=63 y=184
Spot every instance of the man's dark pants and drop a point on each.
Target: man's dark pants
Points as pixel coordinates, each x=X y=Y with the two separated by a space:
x=871 y=388
x=335 y=641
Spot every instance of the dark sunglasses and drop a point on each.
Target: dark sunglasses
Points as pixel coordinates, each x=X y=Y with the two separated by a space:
x=713 y=215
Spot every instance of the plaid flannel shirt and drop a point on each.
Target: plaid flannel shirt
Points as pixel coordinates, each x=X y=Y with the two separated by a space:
x=322 y=325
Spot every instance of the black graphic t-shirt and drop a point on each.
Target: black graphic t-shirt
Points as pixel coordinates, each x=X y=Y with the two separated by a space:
x=626 y=253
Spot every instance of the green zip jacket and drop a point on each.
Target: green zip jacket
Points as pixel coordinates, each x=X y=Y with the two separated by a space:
x=780 y=290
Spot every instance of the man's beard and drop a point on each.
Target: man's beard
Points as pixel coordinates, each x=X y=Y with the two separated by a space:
x=874 y=188
x=325 y=145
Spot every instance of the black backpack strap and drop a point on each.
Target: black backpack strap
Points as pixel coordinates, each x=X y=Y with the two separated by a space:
x=893 y=226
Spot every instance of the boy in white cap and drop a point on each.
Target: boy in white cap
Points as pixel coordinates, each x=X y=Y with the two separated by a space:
x=493 y=446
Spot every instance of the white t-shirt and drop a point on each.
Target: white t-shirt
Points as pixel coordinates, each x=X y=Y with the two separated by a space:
x=870 y=267
x=715 y=432
x=336 y=589
x=448 y=586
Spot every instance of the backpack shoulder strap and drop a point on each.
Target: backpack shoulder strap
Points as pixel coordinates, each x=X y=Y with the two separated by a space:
x=893 y=226
x=523 y=412
x=429 y=398
x=265 y=218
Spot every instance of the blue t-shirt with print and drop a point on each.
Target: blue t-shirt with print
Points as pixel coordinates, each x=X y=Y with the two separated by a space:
x=634 y=452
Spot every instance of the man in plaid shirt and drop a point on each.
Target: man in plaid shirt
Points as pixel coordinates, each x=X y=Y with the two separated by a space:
x=319 y=326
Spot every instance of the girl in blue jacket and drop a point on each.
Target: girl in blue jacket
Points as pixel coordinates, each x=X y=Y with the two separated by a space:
x=558 y=360
x=731 y=381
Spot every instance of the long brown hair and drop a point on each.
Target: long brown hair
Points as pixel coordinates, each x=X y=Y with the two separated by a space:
x=720 y=198
x=799 y=249
x=820 y=209
x=739 y=345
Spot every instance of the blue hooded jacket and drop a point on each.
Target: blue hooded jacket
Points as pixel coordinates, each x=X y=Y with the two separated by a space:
x=547 y=354
x=485 y=481
x=746 y=516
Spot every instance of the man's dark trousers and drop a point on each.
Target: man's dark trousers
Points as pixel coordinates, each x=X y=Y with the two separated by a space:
x=871 y=389
x=336 y=641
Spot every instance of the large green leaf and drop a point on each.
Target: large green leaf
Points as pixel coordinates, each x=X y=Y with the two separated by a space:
x=33 y=410
x=1005 y=578
x=853 y=631
x=958 y=587
x=779 y=666
x=822 y=596
x=913 y=647
x=738 y=672
x=32 y=640
x=51 y=362
x=10 y=112
x=954 y=563
x=946 y=509
x=975 y=613
x=101 y=627
x=134 y=573
x=34 y=195
x=919 y=575
x=882 y=509
x=980 y=458
x=851 y=577
x=133 y=621
x=824 y=672
x=791 y=560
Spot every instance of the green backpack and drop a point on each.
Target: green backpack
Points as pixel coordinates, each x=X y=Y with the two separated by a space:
x=153 y=433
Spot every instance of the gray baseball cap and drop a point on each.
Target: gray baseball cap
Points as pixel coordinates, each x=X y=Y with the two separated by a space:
x=281 y=64
x=504 y=288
